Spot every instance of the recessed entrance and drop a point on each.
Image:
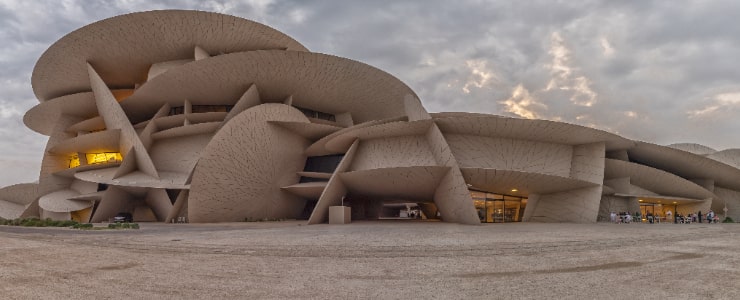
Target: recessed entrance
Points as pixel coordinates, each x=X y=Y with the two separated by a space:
x=497 y=208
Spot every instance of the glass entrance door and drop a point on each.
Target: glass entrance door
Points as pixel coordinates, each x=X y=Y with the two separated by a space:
x=497 y=208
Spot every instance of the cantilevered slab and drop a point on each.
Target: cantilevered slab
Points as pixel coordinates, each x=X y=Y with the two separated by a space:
x=527 y=129
x=309 y=190
x=319 y=82
x=123 y=47
x=42 y=117
x=505 y=181
x=89 y=197
x=22 y=193
x=10 y=210
x=318 y=148
x=410 y=183
x=685 y=164
x=730 y=157
x=697 y=149
x=96 y=142
x=166 y=180
x=655 y=180
x=342 y=141
x=59 y=201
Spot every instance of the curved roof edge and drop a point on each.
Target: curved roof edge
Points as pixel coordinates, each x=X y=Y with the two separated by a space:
x=120 y=47
x=693 y=148
x=528 y=129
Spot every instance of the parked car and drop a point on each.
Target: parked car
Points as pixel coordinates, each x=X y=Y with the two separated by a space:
x=123 y=217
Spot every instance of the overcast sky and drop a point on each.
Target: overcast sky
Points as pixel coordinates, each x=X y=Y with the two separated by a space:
x=658 y=71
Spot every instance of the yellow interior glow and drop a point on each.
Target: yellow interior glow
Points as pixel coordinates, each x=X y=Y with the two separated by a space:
x=74 y=161
x=99 y=158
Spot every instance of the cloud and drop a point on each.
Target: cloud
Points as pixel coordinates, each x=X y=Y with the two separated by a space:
x=607 y=47
x=720 y=103
x=480 y=75
x=522 y=104
x=564 y=74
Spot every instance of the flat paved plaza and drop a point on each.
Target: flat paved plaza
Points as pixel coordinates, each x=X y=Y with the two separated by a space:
x=381 y=260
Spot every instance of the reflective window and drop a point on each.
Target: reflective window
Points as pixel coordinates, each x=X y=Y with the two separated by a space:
x=497 y=208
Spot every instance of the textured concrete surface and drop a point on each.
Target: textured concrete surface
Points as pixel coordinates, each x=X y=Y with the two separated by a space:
x=378 y=260
x=243 y=168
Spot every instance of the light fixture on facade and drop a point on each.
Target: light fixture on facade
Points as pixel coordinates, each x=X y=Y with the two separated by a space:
x=514 y=190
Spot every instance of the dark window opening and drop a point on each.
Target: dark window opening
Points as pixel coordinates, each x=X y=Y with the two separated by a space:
x=178 y=110
x=323 y=164
x=308 y=209
x=312 y=179
x=102 y=187
x=173 y=194
x=309 y=113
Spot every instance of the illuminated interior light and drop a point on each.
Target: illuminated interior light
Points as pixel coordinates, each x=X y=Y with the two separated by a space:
x=514 y=190
x=99 y=158
x=74 y=161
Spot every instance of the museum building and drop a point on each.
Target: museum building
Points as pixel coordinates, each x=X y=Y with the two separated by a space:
x=205 y=117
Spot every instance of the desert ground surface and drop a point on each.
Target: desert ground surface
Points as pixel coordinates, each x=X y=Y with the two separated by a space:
x=374 y=260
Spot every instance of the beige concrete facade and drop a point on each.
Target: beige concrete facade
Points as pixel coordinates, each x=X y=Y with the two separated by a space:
x=172 y=115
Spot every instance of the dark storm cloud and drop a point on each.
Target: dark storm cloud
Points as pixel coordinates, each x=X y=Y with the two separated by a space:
x=661 y=71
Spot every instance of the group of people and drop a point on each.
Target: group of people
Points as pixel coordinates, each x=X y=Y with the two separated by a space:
x=622 y=217
x=625 y=217
x=710 y=217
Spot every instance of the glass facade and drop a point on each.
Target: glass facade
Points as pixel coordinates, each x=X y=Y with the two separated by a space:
x=497 y=208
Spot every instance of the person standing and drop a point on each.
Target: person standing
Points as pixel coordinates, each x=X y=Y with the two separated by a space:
x=699 y=215
x=613 y=217
x=668 y=215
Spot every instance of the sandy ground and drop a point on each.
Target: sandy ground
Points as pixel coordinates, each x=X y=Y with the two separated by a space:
x=381 y=260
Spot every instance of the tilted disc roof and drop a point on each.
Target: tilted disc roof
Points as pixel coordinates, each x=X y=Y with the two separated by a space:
x=122 y=48
x=527 y=129
x=685 y=164
x=321 y=82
